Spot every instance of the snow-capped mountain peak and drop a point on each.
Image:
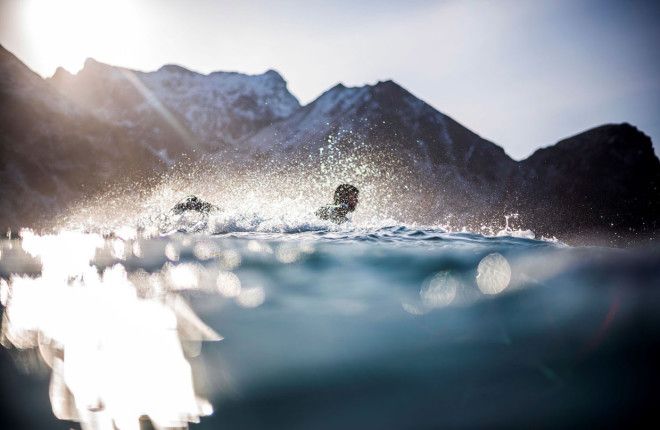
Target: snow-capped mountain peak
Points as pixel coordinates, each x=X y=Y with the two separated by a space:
x=218 y=109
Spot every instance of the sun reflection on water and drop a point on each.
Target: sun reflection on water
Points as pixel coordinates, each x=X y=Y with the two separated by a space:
x=117 y=344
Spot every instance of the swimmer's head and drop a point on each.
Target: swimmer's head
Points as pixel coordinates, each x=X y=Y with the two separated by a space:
x=347 y=194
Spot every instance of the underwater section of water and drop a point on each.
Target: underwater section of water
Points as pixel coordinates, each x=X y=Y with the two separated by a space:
x=324 y=327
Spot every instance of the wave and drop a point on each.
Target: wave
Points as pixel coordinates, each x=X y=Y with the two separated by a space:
x=295 y=227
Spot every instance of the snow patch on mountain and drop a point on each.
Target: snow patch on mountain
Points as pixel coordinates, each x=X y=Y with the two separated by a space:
x=217 y=108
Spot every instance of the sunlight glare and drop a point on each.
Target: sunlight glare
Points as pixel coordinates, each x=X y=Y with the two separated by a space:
x=115 y=355
x=66 y=32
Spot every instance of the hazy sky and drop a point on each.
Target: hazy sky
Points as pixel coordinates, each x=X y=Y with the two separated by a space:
x=521 y=73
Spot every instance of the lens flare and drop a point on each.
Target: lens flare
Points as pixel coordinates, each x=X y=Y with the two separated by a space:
x=251 y=297
x=228 y=284
x=493 y=274
x=439 y=291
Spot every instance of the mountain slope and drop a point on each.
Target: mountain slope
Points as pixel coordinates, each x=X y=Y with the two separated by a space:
x=50 y=150
x=67 y=137
x=204 y=112
x=606 y=179
x=387 y=111
x=387 y=118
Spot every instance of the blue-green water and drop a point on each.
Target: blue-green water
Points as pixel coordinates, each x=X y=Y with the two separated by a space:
x=394 y=327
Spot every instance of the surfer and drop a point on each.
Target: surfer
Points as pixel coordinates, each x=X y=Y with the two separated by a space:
x=193 y=203
x=346 y=200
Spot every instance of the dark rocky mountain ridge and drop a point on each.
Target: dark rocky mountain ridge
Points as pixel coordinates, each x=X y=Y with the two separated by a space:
x=71 y=134
x=604 y=179
x=602 y=182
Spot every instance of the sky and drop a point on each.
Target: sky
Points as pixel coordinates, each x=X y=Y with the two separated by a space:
x=523 y=74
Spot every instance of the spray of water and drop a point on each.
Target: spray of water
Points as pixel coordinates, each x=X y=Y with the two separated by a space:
x=268 y=194
x=280 y=193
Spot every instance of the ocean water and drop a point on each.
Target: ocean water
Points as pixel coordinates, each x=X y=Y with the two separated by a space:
x=246 y=323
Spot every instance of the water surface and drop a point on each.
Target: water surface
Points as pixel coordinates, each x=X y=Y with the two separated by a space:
x=387 y=327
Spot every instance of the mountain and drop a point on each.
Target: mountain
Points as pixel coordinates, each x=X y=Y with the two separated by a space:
x=72 y=135
x=387 y=119
x=203 y=112
x=606 y=179
x=51 y=151
x=389 y=116
x=69 y=136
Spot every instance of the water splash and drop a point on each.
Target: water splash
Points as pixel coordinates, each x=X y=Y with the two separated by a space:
x=281 y=195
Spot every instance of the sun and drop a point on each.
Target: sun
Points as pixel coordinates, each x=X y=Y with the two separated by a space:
x=66 y=32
